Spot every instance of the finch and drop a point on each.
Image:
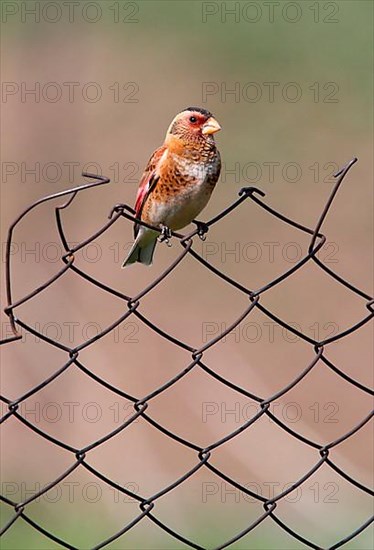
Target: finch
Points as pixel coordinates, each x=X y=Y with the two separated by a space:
x=178 y=180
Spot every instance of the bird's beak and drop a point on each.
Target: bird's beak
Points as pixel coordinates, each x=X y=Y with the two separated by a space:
x=211 y=126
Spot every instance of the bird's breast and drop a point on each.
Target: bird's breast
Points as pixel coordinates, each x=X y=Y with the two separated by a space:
x=189 y=168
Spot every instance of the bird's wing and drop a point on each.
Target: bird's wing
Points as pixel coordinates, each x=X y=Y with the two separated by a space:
x=147 y=182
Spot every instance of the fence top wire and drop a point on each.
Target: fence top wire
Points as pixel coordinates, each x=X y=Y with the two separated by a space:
x=148 y=504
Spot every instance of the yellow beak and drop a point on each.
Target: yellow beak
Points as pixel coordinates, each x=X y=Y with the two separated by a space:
x=211 y=126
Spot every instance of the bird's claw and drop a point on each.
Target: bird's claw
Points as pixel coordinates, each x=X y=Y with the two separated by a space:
x=202 y=229
x=165 y=235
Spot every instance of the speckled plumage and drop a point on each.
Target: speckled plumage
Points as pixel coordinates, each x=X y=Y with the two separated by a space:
x=178 y=180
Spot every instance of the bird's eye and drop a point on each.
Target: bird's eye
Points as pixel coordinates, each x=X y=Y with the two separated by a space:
x=193 y=119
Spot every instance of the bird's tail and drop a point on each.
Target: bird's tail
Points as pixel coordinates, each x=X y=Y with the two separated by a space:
x=140 y=252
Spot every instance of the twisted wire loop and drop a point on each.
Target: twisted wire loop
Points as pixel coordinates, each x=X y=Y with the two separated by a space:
x=318 y=355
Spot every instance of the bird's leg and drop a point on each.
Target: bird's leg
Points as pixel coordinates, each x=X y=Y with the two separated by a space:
x=202 y=229
x=165 y=234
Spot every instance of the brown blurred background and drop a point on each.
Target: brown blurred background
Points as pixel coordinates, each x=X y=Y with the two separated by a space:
x=291 y=87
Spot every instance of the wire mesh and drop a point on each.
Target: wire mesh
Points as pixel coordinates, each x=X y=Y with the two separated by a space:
x=80 y=456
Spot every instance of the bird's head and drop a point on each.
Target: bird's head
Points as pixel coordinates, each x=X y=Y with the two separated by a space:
x=194 y=123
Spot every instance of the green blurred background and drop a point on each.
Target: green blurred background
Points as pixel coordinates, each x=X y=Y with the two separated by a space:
x=129 y=68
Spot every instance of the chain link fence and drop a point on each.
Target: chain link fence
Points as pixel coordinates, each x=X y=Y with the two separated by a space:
x=80 y=457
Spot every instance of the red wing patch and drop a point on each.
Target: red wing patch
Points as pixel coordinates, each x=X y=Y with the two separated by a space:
x=148 y=180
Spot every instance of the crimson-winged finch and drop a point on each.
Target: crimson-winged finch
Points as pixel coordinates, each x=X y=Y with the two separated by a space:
x=178 y=180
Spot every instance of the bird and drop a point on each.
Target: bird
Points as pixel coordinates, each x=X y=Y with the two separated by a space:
x=177 y=182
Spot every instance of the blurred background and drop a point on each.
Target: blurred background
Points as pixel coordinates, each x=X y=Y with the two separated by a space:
x=93 y=86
